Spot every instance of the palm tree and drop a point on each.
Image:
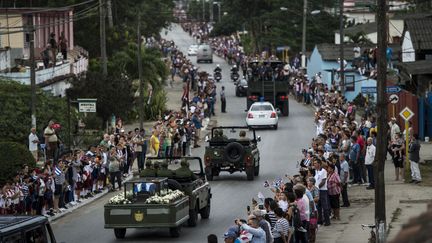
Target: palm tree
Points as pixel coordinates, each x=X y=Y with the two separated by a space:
x=359 y=38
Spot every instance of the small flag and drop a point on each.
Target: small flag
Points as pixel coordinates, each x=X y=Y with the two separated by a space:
x=266 y=184
x=57 y=171
x=278 y=182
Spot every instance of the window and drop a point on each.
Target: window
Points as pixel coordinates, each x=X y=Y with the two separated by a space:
x=15 y=238
x=37 y=235
x=349 y=83
x=261 y=108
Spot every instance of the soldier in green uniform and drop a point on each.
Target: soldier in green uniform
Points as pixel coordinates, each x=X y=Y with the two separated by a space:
x=164 y=171
x=184 y=172
x=149 y=170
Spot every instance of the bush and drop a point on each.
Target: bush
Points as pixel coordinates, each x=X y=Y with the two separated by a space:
x=12 y=158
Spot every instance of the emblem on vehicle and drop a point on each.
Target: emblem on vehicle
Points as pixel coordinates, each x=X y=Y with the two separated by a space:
x=138 y=216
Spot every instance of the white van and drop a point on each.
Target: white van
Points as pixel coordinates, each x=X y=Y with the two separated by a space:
x=204 y=53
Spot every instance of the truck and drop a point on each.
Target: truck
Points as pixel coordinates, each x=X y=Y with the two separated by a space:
x=227 y=151
x=271 y=89
x=160 y=202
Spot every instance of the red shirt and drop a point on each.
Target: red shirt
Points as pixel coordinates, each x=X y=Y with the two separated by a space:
x=361 y=142
x=333 y=184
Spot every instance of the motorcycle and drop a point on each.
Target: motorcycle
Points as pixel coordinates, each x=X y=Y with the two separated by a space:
x=217 y=76
x=235 y=76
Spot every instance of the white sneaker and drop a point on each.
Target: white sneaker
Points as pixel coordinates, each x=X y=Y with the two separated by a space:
x=73 y=203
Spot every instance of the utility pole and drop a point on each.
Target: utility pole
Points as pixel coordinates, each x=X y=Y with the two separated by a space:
x=380 y=157
x=341 y=46
x=303 y=56
x=30 y=32
x=211 y=8
x=141 y=85
x=203 y=1
x=103 y=37
x=109 y=11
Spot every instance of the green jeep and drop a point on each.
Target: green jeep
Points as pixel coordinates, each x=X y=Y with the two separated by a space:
x=228 y=151
x=161 y=202
x=25 y=229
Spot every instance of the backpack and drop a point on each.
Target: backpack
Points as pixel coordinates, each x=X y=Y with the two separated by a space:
x=295 y=219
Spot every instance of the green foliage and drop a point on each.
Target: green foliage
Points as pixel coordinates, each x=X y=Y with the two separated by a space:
x=12 y=158
x=227 y=26
x=15 y=120
x=269 y=26
x=359 y=38
x=113 y=93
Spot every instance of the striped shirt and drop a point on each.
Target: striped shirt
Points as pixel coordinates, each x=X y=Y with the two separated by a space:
x=281 y=228
x=272 y=219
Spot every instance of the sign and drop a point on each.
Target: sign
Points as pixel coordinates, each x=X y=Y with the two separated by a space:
x=393 y=89
x=394 y=98
x=368 y=90
x=86 y=105
x=406 y=114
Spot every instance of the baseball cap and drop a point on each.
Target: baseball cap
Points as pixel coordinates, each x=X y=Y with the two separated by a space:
x=232 y=232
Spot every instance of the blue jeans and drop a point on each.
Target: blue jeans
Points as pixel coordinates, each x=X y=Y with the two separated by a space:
x=370 y=175
x=323 y=207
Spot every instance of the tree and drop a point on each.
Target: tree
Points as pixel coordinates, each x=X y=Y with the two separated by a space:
x=113 y=93
x=15 y=112
x=13 y=156
x=359 y=38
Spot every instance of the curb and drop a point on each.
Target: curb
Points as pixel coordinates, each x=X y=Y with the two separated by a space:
x=83 y=203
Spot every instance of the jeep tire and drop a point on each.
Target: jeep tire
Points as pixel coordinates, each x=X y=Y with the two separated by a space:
x=193 y=217
x=175 y=231
x=120 y=233
x=205 y=211
x=209 y=173
x=256 y=170
x=250 y=171
x=234 y=152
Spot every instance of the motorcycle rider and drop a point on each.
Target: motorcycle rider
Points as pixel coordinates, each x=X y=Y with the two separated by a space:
x=217 y=69
x=234 y=69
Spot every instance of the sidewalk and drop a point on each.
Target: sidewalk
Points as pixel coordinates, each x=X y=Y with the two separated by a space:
x=403 y=201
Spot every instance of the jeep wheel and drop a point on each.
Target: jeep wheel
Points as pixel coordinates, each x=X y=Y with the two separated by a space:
x=205 y=211
x=120 y=233
x=256 y=171
x=234 y=152
x=175 y=231
x=193 y=217
x=209 y=173
x=250 y=173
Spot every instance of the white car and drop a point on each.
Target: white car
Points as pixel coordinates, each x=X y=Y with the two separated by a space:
x=262 y=114
x=192 y=51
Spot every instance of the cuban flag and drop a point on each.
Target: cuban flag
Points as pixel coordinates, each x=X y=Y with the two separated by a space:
x=266 y=184
x=57 y=171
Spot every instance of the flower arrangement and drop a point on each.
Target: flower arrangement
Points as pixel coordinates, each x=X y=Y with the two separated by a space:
x=121 y=199
x=165 y=199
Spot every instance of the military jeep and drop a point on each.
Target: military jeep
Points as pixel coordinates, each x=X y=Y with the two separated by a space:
x=141 y=206
x=227 y=151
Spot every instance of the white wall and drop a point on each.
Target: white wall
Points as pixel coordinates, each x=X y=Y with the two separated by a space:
x=396 y=27
x=372 y=36
x=360 y=17
x=5 y=59
x=58 y=88
x=408 y=52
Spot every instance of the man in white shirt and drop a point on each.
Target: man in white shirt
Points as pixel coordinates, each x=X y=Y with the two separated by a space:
x=369 y=159
x=394 y=129
x=33 y=143
x=344 y=176
x=323 y=204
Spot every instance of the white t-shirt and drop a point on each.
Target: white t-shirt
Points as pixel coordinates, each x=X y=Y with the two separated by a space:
x=33 y=146
x=283 y=205
x=319 y=176
x=370 y=154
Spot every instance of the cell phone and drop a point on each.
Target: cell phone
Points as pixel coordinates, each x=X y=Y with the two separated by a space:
x=260 y=207
x=248 y=209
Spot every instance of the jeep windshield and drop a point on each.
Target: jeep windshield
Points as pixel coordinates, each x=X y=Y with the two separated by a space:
x=232 y=133
x=195 y=164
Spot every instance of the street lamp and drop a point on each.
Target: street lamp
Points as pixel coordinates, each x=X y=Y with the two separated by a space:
x=314 y=12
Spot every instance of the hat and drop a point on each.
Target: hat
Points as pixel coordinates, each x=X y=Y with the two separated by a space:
x=232 y=232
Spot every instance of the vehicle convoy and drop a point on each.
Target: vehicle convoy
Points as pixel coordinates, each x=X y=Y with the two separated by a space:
x=232 y=149
x=192 y=51
x=174 y=198
x=25 y=229
x=217 y=73
x=262 y=114
x=266 y=84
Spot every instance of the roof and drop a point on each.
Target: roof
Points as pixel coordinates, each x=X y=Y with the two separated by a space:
x=412 y=16
x=33 y=10
x=421 y=33
x=367 y=28
x=11 y=222
x=417 y=67
x=330 y=52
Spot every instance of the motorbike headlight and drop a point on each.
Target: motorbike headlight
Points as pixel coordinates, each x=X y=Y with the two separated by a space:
x=216 y=153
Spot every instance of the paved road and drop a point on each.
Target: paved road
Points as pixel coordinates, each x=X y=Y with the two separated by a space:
x=280 y=151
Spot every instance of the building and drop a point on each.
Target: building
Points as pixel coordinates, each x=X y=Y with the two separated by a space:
x=15 y=36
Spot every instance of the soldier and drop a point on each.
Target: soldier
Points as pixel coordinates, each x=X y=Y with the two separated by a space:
x=164 y=171
x=243 y=137
x=184 y=172
x=149 y=171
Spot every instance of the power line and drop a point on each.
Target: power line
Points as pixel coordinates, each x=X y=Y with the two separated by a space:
x=58 y=8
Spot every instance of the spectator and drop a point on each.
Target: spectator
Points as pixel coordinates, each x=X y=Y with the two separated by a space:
x=323 y=204
x=344 y=176
x=252 y=227
x=33 y=143
x=414 y=158
x=280 y=230
x=369 y=159
x=51 y=141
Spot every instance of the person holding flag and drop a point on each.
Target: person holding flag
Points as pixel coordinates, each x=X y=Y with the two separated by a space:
x=60 y=180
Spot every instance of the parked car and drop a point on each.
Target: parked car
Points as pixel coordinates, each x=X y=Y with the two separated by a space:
x=241 y=87
x=192 y=51
x=204 y=53
x=25 y=229
x=262 y=114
